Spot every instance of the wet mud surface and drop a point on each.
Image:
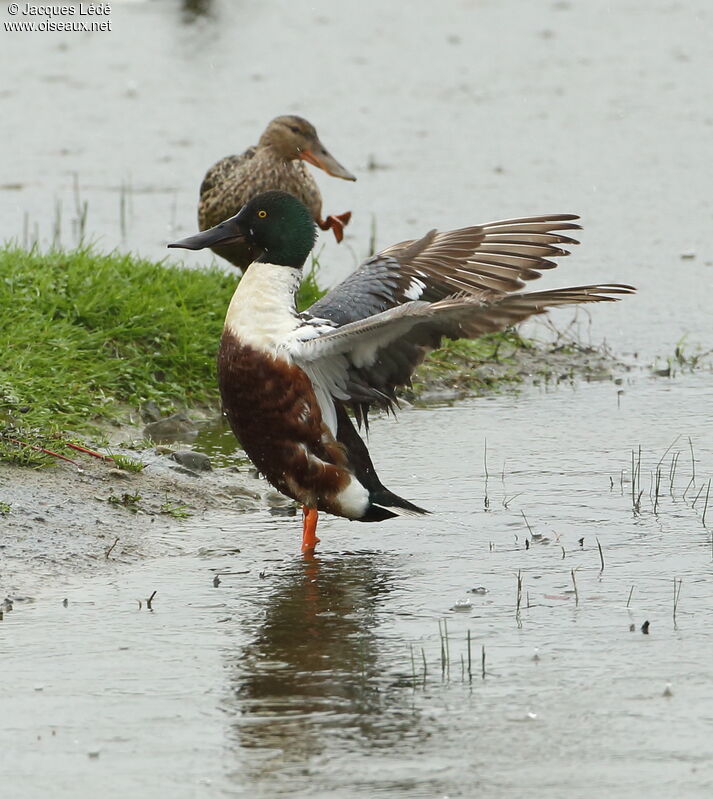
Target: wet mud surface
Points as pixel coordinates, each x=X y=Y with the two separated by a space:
x=65 y=520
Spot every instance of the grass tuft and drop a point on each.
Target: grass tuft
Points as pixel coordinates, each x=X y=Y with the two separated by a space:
x=31 y=448
x=175 y=509
x=127 y=464
x=128 y=501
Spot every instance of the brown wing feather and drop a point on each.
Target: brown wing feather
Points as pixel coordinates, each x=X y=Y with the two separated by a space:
x=476 y=252
x=497 y=256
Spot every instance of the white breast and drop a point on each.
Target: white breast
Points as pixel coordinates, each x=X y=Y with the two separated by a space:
x=262 y=311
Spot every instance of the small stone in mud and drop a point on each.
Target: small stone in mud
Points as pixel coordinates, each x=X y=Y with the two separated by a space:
x=179 y=424
x=65 y=602
x=481 y=589
x=197 y=461
x=216 y=581
x=280 y=505
x=118 y=473
x=645 y=628
x=688 y=255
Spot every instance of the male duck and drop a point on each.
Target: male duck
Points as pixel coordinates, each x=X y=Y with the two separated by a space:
x=275 y=163
x=286 y=378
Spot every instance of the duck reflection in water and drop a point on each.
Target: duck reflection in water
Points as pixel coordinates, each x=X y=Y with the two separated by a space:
x=312 y=672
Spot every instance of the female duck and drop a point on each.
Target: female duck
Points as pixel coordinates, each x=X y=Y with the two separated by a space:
x=277 y=162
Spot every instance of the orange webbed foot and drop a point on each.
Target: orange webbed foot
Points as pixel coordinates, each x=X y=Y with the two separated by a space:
x=309 y=530
x=337 y=223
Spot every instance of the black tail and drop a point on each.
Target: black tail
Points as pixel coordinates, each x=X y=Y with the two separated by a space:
x=381 y=498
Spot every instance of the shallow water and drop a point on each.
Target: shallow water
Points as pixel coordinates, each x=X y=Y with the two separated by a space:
x=294 y=677
x=307 y=678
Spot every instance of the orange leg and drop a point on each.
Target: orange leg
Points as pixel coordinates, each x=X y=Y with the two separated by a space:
x=309 y=529
x=337 y=222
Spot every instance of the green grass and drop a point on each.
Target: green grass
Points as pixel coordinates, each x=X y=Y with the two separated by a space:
x=83 y=335
x=175 y=509
x=127 y=464
x=20 y=451
x=128 y=501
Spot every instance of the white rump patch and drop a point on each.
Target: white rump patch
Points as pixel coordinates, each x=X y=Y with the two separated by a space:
x=353 y=500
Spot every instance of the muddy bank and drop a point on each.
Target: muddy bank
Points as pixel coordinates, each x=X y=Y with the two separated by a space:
x=63 y=520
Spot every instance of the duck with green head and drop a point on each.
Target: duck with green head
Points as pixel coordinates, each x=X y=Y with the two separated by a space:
x=288 y=379
x=277 y=162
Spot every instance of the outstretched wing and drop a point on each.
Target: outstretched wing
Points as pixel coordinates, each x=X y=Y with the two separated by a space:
x=364 y=362
x=497 y=256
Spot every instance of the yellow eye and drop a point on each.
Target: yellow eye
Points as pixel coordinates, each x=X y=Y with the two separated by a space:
x=262 y=214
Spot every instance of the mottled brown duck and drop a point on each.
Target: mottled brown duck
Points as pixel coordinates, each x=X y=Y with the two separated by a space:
x=287 y=379
x=276 y=162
